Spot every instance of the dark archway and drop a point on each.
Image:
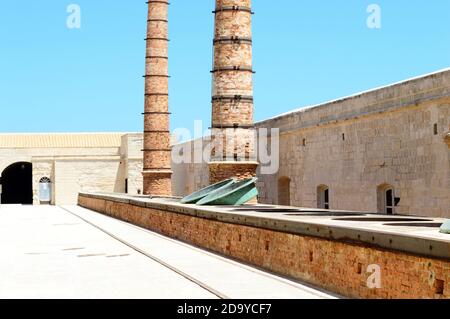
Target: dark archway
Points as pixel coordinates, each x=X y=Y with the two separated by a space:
x=17 y=184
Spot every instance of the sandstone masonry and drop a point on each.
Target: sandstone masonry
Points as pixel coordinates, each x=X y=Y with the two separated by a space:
x=77 y=162
x=396 y=137
x=356 y=147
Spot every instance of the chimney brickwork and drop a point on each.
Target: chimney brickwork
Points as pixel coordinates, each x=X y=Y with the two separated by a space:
x=157 y=151
x=232 y=92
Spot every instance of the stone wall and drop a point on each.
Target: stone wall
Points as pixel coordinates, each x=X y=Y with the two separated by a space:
x=389 y=136
x=189 y=175
x=73 y=176
x=356 y=146
x=75 y=169
x=131 y=158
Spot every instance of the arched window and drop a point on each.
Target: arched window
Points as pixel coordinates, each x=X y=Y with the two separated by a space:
x=386 y=199
x=284 y=191
x=323 y=197
x=45 y=180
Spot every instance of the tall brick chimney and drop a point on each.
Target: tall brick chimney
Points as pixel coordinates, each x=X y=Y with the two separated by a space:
x=232 y=100
x=157 y=153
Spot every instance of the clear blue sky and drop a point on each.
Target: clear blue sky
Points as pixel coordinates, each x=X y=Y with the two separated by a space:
x=305 y=52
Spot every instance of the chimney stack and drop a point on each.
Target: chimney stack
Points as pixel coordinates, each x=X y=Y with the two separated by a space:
x=157 y=152
x=232 y=101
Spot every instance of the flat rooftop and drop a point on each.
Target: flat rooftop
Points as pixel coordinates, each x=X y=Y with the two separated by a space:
x=412 y=234
x=61 y=140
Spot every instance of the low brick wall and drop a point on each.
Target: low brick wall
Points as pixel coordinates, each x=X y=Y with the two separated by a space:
x=333 y=265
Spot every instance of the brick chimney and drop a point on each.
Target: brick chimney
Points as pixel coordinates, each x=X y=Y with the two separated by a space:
x=232 y=93
x=157 y=153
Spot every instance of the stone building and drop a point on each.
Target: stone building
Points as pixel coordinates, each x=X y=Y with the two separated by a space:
x=33 y=166
x=384 y=150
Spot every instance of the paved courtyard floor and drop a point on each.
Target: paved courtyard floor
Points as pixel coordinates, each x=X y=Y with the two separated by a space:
x=72 y=252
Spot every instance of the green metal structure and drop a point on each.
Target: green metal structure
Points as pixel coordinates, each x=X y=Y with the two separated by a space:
x=198 y=195
x=235 y=194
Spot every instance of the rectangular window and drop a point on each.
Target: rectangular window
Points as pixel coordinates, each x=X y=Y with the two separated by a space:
x=327 y=202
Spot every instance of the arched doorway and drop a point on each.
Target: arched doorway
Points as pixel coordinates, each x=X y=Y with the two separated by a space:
x=284 y=191
x=323 y=197
x=17 y=184
x=386 y=200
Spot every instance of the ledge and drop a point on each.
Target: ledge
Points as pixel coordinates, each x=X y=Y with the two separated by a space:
x=411 y=92
x=422 y=241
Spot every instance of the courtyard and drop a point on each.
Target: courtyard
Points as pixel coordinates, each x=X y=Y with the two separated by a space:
x=44 y=256
x=323 y=172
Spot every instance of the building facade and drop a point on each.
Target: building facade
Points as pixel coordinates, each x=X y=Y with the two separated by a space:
x=53 y=168
x=385 y=150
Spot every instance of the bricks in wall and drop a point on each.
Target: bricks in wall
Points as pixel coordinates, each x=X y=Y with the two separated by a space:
x=336 y=266
x=232 y=101
x=221 y=171
x=157 y=153
x=158 y=183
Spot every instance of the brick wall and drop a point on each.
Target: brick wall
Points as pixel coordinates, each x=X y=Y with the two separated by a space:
x=336 y=266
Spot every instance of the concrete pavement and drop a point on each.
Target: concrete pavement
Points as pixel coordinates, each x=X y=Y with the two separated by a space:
x=72 y=252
